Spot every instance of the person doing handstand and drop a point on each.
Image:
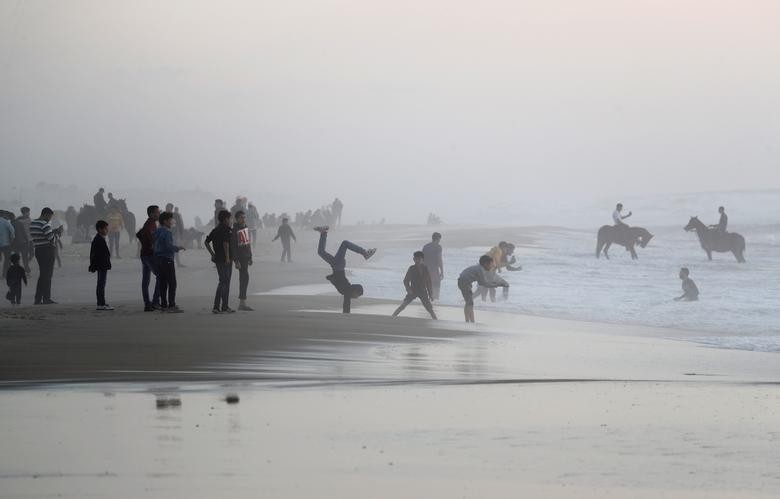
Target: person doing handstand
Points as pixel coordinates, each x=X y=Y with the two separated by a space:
x=338 y=263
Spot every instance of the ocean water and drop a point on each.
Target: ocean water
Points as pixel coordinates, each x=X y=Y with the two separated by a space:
x=739 y=305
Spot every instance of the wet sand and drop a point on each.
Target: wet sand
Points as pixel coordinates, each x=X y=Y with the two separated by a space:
x=366 y=405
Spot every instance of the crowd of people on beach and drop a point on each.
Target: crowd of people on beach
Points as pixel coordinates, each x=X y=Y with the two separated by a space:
x=229 y=244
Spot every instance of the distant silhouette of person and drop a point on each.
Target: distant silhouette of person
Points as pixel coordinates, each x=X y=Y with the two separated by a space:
x=337 y=208
x=100 y=262
x=115 y=226
x=44 y=238
x=99 y=201
x=253 y=221
x=477 y=273
x=14 y=278
x=723 y=223
x=285 y=233
x=417 y=282
x=178 y=233
x=432 y=253
x=690 y=291
x=338 y=263
x=71 y=216
x=24 y=244
x=112 y=202
x=7 y=238
x=219 y=205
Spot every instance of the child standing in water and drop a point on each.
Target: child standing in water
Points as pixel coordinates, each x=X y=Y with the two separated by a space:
x=100 y=262
x=418 y=285
x=690 y=291
x=338 y=263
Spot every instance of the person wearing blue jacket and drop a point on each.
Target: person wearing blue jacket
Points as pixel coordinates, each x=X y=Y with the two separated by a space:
x=164 y=254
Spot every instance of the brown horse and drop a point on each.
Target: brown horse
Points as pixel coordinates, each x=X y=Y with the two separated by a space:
x=624 y=236
x=713 y=240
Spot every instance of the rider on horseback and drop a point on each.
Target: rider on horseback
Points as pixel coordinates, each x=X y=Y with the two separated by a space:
x=723 y=223
x=618 y=217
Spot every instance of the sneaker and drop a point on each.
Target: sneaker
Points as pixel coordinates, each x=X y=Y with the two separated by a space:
x=104 y=307
x=369 y=253
x=215 y=311
x=149 y=308
x=174 y=310
x=157 y=306
x=246 y=308
x=322 y=228
x=49 y=302
x=227 y=310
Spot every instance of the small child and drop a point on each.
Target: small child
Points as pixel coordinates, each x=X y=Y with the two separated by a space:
x=476 y=273
x=418 y=285
x=14 y=278
x=100 y=262
x=690 y=291
x=338 y=263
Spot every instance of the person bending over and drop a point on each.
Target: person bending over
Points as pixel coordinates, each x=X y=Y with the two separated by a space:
x=476 y=273
x=338 y=263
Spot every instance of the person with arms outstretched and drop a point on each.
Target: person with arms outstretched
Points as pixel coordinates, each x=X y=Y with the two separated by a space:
x=338 y=263
x=476 y=273
x=417 y=282
x=285 y=233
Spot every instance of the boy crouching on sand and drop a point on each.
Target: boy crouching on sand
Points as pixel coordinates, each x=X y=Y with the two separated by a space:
x=14 y=277
x=100 y=262
x=476 y=273
x=338 y=263
x=418 y=285
x=690 y=291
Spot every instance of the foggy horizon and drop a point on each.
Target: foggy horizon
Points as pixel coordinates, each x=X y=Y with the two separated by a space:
x=408 y=106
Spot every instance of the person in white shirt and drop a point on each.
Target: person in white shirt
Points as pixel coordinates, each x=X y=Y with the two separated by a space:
x=618 y=217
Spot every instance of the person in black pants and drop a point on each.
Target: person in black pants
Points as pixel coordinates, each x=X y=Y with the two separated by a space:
x=241 y=250
x=100 y=262
x=164 y=252
x=14 y=278
x=220 y=238
x=44 y=239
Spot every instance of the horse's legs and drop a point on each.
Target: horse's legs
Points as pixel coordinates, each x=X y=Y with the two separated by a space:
x=633 y=252
x=709 y=255
x=606 y=248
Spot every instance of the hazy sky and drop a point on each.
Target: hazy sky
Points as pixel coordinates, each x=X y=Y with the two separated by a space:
x=412 y=106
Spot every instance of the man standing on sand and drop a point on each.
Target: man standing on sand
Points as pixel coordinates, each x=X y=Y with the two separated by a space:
x=44 y=239
x=286 y=233
x=220 y=238
x=476 y=273
x=164 y=250
x=241 y=249
x=417 y=282
x=148 y=263
x=432 y=253
x=338 y=264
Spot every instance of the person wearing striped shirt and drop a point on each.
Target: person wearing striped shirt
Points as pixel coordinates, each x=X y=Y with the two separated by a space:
x=44 y=239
